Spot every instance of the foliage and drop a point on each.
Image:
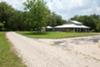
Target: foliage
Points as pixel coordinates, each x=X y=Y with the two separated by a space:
x=17 y=20
x=6 y=11
x=1 y=26
x=55 y=20
x=38 y=13
x=93 y=21
x=35 y=17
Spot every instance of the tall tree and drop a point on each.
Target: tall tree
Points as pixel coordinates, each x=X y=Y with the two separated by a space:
x=38 y=13
x=93 y=21
x=6 y=11
x=55 y=20
x=1 y=26
x=16 y=21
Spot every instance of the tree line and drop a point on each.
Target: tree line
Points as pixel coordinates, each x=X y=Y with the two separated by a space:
x=93 y=21
x=36 y=16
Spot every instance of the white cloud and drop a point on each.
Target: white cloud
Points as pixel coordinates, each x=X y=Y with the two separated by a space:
x=18 y=4
x=77 y=7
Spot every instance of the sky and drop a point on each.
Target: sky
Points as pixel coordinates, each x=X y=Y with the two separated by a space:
x=65 y=8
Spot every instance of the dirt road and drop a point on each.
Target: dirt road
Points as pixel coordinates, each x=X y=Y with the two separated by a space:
x=72 y=52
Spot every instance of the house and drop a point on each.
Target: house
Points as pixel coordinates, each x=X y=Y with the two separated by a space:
x=70 y=26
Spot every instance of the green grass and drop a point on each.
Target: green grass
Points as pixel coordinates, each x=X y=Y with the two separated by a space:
x=7 y=56
x=55 y=34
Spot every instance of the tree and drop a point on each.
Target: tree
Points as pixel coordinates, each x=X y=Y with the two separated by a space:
x=38 y=13
x=93 y=21
x=1 y=26
x=16 y=21
x=55 y=20
x=6 y=11
x=98 y=27
x=36 y=17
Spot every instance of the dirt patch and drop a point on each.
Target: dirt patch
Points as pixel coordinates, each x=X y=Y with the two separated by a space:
x=70 y=52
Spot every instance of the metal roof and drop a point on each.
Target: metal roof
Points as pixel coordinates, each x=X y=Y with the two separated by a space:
x=71 y=26
x=75 y=22
x=49 y=27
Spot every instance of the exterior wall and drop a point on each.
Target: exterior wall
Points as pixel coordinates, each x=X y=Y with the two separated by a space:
x=69 y=29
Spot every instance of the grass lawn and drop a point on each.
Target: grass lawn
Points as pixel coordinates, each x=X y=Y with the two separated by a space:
x=7 y=57
x=56 y=34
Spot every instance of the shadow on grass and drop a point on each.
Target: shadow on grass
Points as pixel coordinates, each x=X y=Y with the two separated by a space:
x=35 y=33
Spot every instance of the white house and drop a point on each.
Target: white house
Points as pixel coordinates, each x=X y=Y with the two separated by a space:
x=71 y=26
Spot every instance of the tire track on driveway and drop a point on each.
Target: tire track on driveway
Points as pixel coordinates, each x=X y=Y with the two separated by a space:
x=40 y=54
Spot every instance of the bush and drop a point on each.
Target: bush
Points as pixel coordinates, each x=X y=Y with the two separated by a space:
x=1 y=26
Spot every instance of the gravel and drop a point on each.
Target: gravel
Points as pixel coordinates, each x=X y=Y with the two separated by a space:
x=68 y=52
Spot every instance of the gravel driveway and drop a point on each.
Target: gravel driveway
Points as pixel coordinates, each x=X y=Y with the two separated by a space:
x=71 y=52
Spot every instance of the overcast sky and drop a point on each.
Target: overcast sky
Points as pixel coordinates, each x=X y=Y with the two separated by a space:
x=66 y=8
